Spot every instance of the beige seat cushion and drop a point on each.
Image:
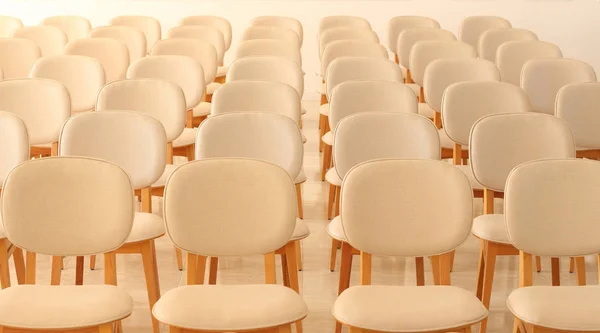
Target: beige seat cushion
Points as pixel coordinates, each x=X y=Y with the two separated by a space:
x=163 y=178
x=188 y=137
x=146 y=226
x=301 y=177
x=445 y=141
x=62 y=307
x=301 y=230
x=491 y=227
x=469 y=173
x=324 y=109
x=202 y=109
x=569 y=308
x=222 y=71
x=408 y=309
x=328 y=138
x=415 y=88
x=212 y=87
x=335 y=230
x=426 y=111
x=333 y=178
x=230 y=307
x=322 y=89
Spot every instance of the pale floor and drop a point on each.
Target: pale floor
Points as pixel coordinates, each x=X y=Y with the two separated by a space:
x=318 y=284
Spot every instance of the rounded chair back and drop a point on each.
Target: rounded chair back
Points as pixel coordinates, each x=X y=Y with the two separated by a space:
x=350 y=48
x=423 y=53
x=17 y=56
x=212 y=21
x=400 y=23
x=14 y=143
x=578 y=104
x=73 y=26
x=491 y=39
x=202 y=51
x=409 y=37
x=280 y=21
x=361 y=69
x=274 y=69
x=203 y=32
x=51 y=40
x=132 y=37
x=471 y=28
x=511 y=56
x=112 y=54
x=148 y=25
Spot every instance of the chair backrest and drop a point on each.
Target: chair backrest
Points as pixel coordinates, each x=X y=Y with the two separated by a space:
x=471 y=28
x=264 y=136
x=400 y=23
x=511 y=56
x=184 y=71
x=112 y=54
x=269 y=48
x=257 y=96
x=464 y=103
x=220 y=23
x=364 y=136
x=343 y=21
x=409 y=37
x=132 y=37
x=134 y=141
x=203 y=32
x=281 y=21
x=361 y=69
x=229 y=207
x=83 y=206
x=202 y=51
x=159 y=99
x=550 y=207
x=148 y=25
x=491 y=39
x=350 y=48
x=344 y=33
x=42 y=104
x=275 y=69
x=73 y=26
x=386 y=207
x=14 y=143
x=500 y=142
x=271 y=32
x=542 y=79
x=423 y=53
x=17 y=56
x=8 y=24
x=578 y=104
x=82 y=76
x=441 y=73
x=51 y=40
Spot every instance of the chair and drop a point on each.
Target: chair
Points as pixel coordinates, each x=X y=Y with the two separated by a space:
x=497 y=144
x=8 y=24
x=556 y=219
x=51 y=40
x=203 y=32
x=345 y=33
x=271 y=32
x=337 y=21
x=542 y=79
x=398 y=24
x=386 y=211
x=212 y=21
x=74 y=27
x=148 y=25
x=490 y=40
x=218 y=192
x=112 y=54
x=280 y=21
x=83 y=206
x=471 y=28
x=269 y=48
x=134 y=38
x=17 y=56
x=82 y=76
x=511 y=56
x=137 y=143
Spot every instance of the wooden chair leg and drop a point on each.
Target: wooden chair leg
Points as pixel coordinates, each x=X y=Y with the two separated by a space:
x=451 y=260
x=214 y=266
x=435 y=270
x=555 y=264
x=538 y=264
x=488 y=279
x=580 y=270
x=19 y=265
x=79 y=266
x=110 y=268
x=480 y=270
x=57 y=262
x=299 y=255
x=105 y=328
x=326 y=161
x=152 y=284
x=30 y=268
x=270 y=274
x=4 y=268
x=93 y=262
x=571 y=265
x=330 y=202
x=420 y=271
x=333 y=254
x=179 y=257
x=345 y=273
x=284 y=270
x=200 y=269
x=191 y=152
x=299 y=199
x=338 y=191
x=290 y=256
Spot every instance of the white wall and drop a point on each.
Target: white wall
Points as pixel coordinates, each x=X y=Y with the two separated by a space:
x=572 y=25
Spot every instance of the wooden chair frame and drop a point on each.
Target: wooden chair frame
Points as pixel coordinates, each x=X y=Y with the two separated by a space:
x=7 y=249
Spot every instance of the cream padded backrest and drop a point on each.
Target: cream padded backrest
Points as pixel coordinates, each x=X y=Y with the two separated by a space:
x=351 y=97
x=409 y=37
x=212 y=21
x=82 y=76
x=184 y=71
x=51 y=40
x=390 y=135
x=471 y=28
x=83 y=206
x=202 y=32
x=386 y=207
x=203 y=51
x=14 y=143
x=269 y=48
x=275 y=69
x=148 y=25
x=134 y=141
x=8 y=24
x=491 y=39
x=511 y=56
x=578 y=104
x=264 y=136
x=342 y=33
x=17 y=56
x=550 y=207
x=229 y=207
x=542 y=79
x=112 y=54
x=351 y=48
x=281 y=21
x=464 y=103
x=73 y=26
x=272 y=32
x=257 y=96
x=423 y=53
x=159 y=99
x=400 y=23
x=133 y=37
x=362 y=69
x=441 y=73
x=42 y=104
x=500 y=142
x=343 y=21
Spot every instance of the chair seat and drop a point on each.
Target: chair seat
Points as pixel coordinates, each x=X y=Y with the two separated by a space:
x=187 y=137
x=324 y=109
x=415 y=88
x=333 y=178
x=301 y=230
x=146 y=226
x=322 y=89
x=222 y=71
x=301 y=178
x=230 y=307
x=469 y=173
x=202 y=109
x=569 y=308
x=212 y=87
x=425 y=110
x=62 y=307
x=408 y=309
x=335 y=230
x=491 y=227
x=328 y=138
x=163 y=178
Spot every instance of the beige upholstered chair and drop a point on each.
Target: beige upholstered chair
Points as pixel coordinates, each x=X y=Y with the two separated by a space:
x=114 y=136
x=148 y=25
x=343 y=21
x=490 y=40
x=82 y=76
x=511 y=56
x=17 y=56
x=381 y=220
x=133 y=37
x=212 y=21
x=14 y=149
x=345 y=33
x=8 y=24
x=51 y=40
x=212 y=35
x=542 y=79
x=112 y=54
x=280 y=21
x=272 y=32
x=398 y=24
x=73 y=26
x=577 y=104
x=472 y=27
x=550 y=211
x=497 y=144
x=218 y=192
x=269 y=48
x=84 y=206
